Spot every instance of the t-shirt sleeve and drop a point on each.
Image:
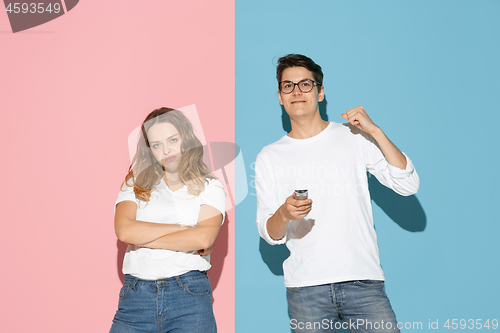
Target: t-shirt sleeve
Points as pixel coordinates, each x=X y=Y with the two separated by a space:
x=267 y=202
x=215 y=196
x=126 y=194
x=404 y=182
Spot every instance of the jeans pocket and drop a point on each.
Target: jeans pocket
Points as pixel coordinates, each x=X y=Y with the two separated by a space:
x=124 y=291
x=370 y=283
x=198 y=287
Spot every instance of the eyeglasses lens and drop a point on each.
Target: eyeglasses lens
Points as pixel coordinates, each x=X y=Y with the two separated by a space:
x=305 y=86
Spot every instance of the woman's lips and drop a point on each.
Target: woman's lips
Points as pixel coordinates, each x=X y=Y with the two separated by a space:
x=169 y=159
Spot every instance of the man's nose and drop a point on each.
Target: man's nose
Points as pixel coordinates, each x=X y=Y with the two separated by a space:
x=296 y=90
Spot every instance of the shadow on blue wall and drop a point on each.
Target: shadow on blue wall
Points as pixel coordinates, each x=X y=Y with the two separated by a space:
x=405 y=211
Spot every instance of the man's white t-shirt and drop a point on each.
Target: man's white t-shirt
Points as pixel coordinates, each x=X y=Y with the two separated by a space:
x=336 y=241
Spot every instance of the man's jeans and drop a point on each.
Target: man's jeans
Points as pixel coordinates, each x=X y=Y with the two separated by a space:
x=362 y=306
x=181 y=304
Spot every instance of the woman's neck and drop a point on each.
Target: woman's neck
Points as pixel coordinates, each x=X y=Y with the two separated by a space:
x=172 y=180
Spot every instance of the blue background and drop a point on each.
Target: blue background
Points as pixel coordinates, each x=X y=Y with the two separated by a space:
x=428 y=74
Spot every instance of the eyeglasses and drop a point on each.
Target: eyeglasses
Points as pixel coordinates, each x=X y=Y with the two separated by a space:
x=306 y=85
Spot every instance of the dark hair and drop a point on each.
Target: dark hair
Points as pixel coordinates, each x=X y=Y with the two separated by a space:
x=299 y=60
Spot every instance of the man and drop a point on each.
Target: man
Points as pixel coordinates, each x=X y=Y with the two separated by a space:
x=333 y=271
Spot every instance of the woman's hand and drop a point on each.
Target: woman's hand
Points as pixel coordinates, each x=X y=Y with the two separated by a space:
x=206 y=252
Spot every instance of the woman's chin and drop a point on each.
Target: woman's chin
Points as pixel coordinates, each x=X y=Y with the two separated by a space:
x=171 y=168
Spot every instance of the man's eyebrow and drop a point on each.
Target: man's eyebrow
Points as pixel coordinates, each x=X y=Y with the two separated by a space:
x=298 y=80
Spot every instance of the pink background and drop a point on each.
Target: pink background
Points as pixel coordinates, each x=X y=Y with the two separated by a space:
x=72 y=90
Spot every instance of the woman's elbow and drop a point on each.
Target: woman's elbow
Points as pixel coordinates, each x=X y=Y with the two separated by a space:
x=123 y=230
x=123 y=235
x=206 y=239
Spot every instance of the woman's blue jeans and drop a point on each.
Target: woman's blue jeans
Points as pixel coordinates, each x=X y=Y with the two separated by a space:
x=180 y=304
x=358 y=306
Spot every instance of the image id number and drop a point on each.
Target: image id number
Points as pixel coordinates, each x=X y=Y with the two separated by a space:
x=33 y=8
x=471 y=324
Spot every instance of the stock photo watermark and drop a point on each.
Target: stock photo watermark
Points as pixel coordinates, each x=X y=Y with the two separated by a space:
x=449 y=324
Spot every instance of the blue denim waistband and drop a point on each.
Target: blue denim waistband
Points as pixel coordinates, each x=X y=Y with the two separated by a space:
x=180 y=279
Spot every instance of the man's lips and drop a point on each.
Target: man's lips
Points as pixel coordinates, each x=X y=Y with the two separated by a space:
x=295 y=102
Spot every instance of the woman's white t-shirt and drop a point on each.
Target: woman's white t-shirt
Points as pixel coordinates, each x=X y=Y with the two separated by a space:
x=169 y=207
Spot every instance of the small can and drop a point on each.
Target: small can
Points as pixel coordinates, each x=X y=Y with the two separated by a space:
x=301 y=194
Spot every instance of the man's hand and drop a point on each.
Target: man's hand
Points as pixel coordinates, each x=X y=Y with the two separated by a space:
x=206 y=252
x=294 y=209
x=358 y=117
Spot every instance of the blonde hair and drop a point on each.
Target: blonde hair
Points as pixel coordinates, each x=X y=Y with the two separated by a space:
x=145 y=172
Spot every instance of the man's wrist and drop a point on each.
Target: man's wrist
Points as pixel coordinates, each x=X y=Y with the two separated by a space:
x=377 y=133
x=282 y=216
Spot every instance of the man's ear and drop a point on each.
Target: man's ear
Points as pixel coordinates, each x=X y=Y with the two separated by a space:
x=279 y=97
x=321 y=96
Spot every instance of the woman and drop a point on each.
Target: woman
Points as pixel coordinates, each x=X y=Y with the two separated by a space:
x=170 y=208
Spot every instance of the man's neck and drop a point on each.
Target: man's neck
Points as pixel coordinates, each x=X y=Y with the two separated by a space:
x=304 y=128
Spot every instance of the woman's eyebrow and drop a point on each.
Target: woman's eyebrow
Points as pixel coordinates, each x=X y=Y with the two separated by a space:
x=170 y=137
